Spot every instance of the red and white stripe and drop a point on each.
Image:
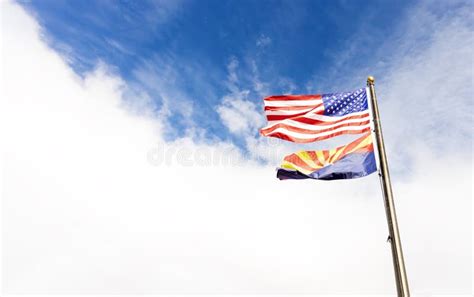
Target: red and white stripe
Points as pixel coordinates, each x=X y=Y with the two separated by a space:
x=300 y=118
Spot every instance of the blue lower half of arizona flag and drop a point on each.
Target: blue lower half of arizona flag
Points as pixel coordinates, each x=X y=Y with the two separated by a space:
x=353 y=160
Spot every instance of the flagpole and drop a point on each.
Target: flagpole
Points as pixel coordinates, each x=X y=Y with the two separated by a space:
x=397 y=253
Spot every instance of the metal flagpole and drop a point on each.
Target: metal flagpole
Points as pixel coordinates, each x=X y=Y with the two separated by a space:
x=397 y=253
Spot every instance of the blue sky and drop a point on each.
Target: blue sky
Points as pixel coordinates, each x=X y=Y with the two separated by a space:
x=285 y=46
x=203 y=64
x=300 y=37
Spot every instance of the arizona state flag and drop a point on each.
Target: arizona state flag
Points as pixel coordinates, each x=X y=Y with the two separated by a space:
x=353 y=160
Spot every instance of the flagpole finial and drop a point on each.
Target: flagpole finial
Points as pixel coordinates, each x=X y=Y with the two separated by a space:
x=370 y=80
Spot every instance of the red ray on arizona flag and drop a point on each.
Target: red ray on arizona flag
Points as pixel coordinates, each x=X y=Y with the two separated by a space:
x=309 y=118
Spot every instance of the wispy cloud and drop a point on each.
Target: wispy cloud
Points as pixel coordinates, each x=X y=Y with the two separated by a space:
x=424 y=77
x=240 y=115
x=263 y=40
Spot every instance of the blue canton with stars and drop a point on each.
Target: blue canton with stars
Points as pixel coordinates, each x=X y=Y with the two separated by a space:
x=340 y=104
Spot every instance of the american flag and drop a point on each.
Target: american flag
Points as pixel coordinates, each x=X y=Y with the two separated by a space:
x=308 y=118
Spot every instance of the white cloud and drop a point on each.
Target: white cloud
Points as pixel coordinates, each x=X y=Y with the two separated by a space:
x=84 y=210
x=432 y=85
x=240 y=116
x=263 y=40
x=232 y=78
x=237 y=113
